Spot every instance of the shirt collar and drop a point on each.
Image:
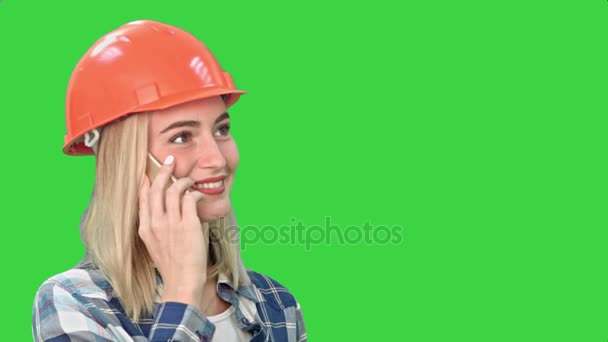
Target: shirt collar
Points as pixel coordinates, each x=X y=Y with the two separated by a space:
x=245 y=290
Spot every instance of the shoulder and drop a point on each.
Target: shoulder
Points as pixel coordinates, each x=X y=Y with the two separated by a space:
x=82 y=280
x=285 y=319
x=271 y=291
x=75 y=303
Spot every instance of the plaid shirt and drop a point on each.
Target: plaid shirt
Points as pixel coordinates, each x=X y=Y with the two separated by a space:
x=80 y=305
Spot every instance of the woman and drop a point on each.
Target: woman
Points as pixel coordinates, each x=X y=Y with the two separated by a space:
x=163 y=260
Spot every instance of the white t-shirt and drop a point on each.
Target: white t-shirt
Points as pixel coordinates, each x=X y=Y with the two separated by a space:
x=227 y=328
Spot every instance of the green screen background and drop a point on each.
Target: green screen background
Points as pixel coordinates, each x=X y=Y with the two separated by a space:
x=477 y=128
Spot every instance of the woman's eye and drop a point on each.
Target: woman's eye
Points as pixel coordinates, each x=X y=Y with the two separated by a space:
x=223 y=130
x=181 y=138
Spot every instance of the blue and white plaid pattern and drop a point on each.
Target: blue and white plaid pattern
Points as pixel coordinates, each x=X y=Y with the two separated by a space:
x=80 y=305
x=278 y=309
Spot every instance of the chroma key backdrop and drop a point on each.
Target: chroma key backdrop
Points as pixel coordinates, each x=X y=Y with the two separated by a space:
x=411 y=171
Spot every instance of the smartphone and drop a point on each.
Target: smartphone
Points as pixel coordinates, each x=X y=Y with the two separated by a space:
x=153 y=167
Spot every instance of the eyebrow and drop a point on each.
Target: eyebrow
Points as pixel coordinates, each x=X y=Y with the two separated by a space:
x=193 y=123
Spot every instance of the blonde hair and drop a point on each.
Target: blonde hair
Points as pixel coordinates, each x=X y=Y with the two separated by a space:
x=110 y=227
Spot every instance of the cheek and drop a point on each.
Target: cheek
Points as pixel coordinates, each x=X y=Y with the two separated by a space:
x=231 y=154
x=184 y=163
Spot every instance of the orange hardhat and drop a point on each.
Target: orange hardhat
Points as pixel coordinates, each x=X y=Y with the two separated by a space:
x=141 y=66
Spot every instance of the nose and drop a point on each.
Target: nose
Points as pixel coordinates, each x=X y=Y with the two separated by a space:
x=210 y=155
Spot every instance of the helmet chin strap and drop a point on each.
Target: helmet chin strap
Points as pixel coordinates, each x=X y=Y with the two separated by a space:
x=91 y=139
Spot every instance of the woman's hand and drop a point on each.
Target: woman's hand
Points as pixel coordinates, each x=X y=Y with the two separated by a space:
x=175 y=238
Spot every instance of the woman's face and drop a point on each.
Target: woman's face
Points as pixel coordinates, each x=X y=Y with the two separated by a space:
x=197 y=134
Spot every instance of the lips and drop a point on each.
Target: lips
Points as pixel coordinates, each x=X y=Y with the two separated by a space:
x=210 y=186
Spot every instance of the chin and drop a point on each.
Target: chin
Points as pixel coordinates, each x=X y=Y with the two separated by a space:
x=213 y=211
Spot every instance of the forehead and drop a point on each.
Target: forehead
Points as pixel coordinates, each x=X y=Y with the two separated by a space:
x=203 y=110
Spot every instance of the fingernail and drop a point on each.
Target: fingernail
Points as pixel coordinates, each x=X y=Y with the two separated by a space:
x=169 y=160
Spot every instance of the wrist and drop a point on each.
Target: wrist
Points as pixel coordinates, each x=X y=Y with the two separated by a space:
x=181 y=294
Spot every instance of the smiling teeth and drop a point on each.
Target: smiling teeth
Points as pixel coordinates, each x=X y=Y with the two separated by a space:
x=209 y=185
